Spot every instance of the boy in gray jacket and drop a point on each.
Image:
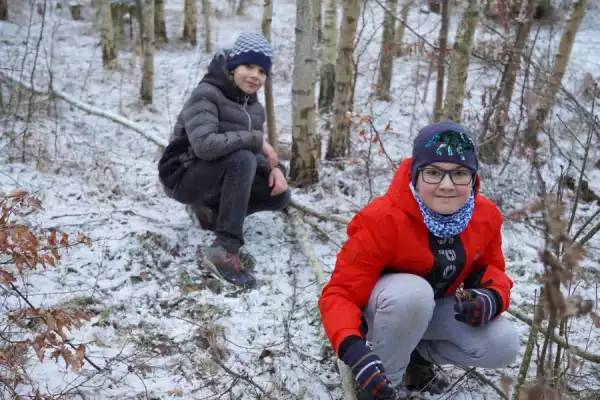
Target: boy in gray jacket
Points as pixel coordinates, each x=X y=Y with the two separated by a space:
x=217 y=162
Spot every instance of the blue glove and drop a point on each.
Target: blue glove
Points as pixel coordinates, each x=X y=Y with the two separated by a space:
x=368 y=371
x=476 y=307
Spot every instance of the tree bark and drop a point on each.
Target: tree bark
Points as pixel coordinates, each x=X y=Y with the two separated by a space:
x=160 y=29
x=441 y=64
x=207 y=28
x=337 y=145
x=241 y=8
x=491 y=151
x=269 y=102
x=386 y=56
x=107 y=34
x=303 y=164
x=327 y=78
x=147 y=27
x=459 y=66
x=190 y=13
x=560 y=65
x=399 y=35
x=3 y=10
x=318 y=26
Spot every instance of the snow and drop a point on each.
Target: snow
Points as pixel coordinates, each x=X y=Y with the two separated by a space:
x=150 y=337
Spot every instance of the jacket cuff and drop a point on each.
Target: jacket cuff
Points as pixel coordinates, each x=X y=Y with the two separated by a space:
x=346 y=343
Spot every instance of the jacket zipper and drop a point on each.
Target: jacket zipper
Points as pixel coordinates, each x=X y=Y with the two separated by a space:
x=247 y=113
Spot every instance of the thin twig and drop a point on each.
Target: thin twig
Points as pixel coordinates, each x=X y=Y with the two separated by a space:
x=13 y=287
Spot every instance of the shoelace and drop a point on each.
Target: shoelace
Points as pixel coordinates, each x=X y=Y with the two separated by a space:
x=235 y=260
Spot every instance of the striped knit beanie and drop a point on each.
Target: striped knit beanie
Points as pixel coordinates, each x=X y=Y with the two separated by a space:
x=250 y=48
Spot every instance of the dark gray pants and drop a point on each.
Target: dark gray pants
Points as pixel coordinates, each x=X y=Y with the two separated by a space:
x=236 y=185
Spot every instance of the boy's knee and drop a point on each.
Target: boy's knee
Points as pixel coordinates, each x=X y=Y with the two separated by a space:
x=499 y=347
x=242 y=160
x=404 y=294
x=283 y=200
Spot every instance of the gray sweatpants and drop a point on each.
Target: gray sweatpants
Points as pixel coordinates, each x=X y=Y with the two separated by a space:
x=402 y=315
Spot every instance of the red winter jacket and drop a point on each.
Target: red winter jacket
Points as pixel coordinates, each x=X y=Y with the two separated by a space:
x=389 y=235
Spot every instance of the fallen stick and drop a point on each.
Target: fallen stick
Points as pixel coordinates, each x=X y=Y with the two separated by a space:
x=586 y=355
x=162 y=143
x=310 y=211
x=298 y=225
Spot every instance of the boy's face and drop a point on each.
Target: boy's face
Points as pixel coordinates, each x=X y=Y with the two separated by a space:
x=249 y=78
x=445 y=196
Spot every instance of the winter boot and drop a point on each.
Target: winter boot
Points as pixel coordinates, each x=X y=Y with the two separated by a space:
x=226 y=266
x=202 y=215
x=421 y=376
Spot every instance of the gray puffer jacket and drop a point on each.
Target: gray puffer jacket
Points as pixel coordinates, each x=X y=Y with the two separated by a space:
x=219 y=118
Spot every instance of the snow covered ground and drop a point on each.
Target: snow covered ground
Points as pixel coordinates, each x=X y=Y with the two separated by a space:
x=158 y=329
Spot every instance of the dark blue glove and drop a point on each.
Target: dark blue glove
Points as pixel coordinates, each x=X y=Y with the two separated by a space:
x=476 y=306
x=368 y=371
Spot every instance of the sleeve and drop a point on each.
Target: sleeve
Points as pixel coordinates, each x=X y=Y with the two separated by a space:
x=200 y=117
x=489 y=271
x=358 y=266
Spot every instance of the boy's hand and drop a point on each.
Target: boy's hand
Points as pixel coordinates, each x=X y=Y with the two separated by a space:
x=277 y=182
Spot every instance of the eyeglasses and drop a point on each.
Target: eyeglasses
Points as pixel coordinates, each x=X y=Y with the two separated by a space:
x=435 y=175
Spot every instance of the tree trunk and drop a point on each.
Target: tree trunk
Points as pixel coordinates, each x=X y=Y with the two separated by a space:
x=386 y=56
x=241 y=8
x=491 y=151
x=339 y=137
x=107 y=34
x=400 y=29
x=147 y=27
x=303 y=164
x=160 y=29
x=441 y=63
x=327 y=79
x=560 y=65
x=75 y=10
x=318 y=25
x=269 y=103
x=190 y=12
x=207 y=30
x=3 y=10
x=459 y=66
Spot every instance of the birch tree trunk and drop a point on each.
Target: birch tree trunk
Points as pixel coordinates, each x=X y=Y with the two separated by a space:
x=160 y=29
x=337 y=145
x=400 y=28
x=491 y=151
x=459 y=66
x=147 y=27
x=269 y=102
x=107 y=34
x=318 y=26
x=241 y=8
x=386 y=56
x=560 y=65
x=303 y=164
x=207 y=28
x=190 y=15
x=441 y=64
x=327 y=79
x=3 y=10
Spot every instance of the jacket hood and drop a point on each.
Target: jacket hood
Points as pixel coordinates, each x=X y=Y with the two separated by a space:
x=219 y=76
x=400 y=194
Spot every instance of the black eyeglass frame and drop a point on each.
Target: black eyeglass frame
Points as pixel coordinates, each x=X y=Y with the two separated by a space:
x=446 y=172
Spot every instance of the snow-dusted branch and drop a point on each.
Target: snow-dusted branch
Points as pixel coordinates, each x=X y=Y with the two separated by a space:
x=595 y=358
x=309 y=211
x=89 y=108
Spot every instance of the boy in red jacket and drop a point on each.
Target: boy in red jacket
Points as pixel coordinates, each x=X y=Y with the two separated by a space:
x=396 y=278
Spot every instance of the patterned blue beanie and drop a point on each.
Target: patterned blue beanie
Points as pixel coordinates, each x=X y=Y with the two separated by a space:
x=250 y=48
x=444 y=141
